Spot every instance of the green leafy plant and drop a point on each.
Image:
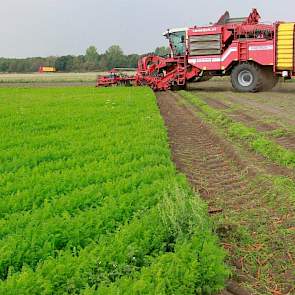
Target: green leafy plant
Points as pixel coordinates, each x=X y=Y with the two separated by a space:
x=90 y=198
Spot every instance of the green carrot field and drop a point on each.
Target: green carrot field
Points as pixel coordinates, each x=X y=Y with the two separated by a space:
x=91 y=203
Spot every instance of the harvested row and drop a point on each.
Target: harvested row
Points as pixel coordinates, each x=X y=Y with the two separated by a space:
x=288 y=141
x=269 y=113
x=252 y=210
x=256 y=141
x=101 y=205
x=275 y=106
x=209 y=164
x=278 y=134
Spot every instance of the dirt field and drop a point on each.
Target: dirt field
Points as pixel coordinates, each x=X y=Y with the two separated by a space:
x=251 y=209
x=265 y=111
x=50 y=79
x=276 y=106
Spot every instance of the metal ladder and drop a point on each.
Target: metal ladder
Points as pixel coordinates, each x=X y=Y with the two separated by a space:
x=243 y=51
x=181 y=71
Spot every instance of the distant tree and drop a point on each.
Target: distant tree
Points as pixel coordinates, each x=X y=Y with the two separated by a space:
x=50 y=61
x=4 y=65
x=60 y=63
x=13 y=66
x=79 y=63
x=132 y=60
x=115 y=57
x=91 y=58
x=162 y=51
x=64 y=63
x=103 y=63
x=91 y=54
x=90 y=61
x=69 y=63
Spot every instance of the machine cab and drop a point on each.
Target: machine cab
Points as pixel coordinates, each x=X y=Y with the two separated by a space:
x=177 y=40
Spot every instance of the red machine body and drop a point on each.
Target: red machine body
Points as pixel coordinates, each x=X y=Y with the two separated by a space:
x=252 y=53
x=238 y=40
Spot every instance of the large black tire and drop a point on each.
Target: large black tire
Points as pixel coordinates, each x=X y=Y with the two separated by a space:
x=269 y=80
x=247 y=77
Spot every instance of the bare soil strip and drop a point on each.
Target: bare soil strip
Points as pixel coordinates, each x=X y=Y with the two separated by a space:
x=45 y=84
x=250 y=111
x=253 y=161
x=235 y=198
x=240 y=115
x=287 y=141
x=278 y=104
x=195 y=145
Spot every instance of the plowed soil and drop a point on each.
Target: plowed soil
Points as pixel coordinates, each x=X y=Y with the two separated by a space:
x=228 y=185
x=287 y=141
x=210 y=164
x=265 y=111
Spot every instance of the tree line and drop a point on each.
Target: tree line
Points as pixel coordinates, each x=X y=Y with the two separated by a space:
x=90 y=61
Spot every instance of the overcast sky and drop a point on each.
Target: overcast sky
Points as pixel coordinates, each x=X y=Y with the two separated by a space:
x=57 y=27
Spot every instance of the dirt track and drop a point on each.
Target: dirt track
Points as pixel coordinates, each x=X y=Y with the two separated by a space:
x=226 y=182
x=276 y=104
x=209 y=163
x=265 y=111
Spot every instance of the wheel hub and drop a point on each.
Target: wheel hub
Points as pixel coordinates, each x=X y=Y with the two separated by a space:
x=245 y=78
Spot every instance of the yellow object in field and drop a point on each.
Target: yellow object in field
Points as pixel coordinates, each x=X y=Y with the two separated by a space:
x=47 y=69
x=285 y=46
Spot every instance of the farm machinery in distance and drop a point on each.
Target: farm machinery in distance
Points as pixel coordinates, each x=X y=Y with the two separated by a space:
x=252 y=53
x=115 y=77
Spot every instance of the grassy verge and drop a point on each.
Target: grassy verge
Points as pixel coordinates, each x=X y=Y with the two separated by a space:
x=91 y=201
x=257 y=141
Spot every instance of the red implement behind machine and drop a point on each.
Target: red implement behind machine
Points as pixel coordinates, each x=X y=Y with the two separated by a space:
x=253 y=54
x=114 y=78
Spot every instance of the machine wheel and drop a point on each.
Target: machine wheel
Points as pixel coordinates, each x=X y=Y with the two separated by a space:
x=247 y=78
x=270 y=80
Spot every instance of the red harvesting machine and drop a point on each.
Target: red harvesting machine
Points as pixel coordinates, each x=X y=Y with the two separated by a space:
x=253 y=54
x=114 y=78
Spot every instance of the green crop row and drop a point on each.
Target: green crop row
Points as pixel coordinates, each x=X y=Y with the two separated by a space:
x=90 y=200
x=176 y=223
x=257 y=141
x=55 y=184
x=67 y=231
